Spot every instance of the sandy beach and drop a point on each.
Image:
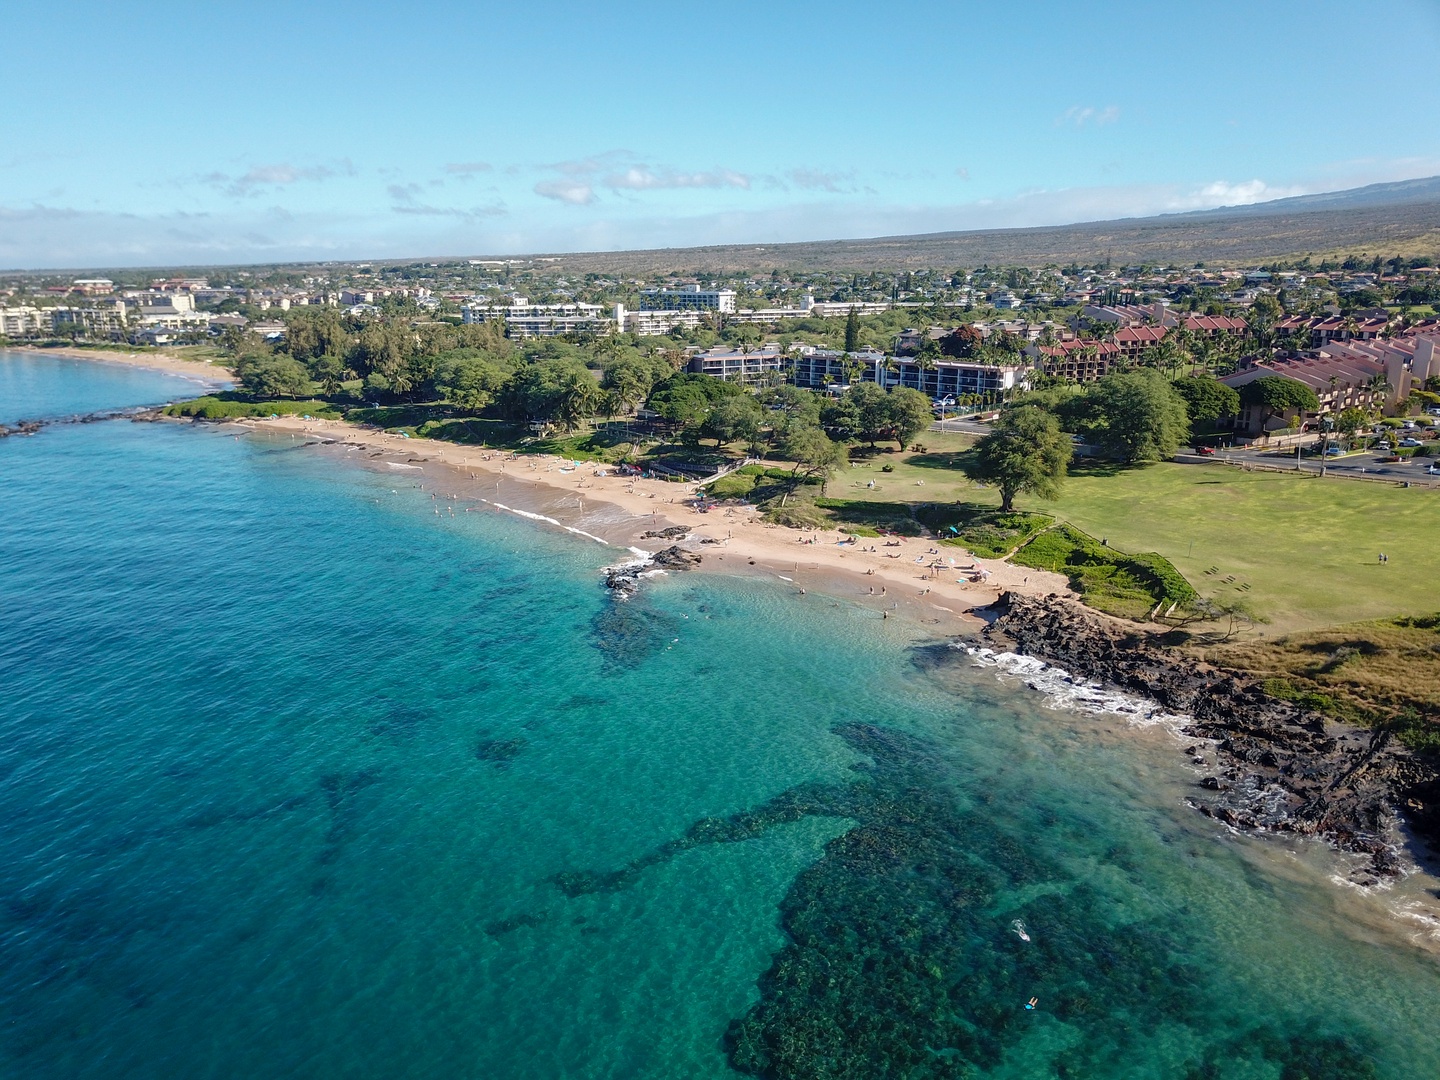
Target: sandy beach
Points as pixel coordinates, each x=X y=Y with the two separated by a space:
x=893 y=575
x=212 y=375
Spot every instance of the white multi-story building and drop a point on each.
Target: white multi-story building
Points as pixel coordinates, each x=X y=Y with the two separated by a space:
x=648 y=323
x=831 y=309
x=25 y=321
x=173 y=311
x=736 y=365
x=105 y=319
x=692 y=296
x=815 y=369
x=526 y=320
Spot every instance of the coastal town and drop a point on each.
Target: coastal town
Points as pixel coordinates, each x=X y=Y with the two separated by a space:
x=1356 y=339
x=919 y=563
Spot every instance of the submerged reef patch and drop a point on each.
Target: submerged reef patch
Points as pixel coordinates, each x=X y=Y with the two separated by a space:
x=901 y=958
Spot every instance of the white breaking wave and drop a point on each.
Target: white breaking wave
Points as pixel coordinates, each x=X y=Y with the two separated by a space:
x=550 y=520
x=1064 y=691
x=401 y=465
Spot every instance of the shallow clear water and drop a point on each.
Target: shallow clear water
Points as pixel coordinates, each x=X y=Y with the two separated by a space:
x=40 y=386
x=289 y=765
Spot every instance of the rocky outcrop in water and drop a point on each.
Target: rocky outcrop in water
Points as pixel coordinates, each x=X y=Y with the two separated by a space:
x=1277 y=766
x=624 y=581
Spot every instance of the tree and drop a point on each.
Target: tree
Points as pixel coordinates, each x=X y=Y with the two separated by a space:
x=1138 y=416
x=790 y=406
x=274 y=376
x=557 y=388
x=962 y=342
x=908 y=413
x=852 y=331
x=814 y=453
x=1026 y=452
x=734 y=417
x=1280 y=395
x=629 y=380
x=863 y=412
x=1351 y=420
x=1206 y=399
x=470 y=379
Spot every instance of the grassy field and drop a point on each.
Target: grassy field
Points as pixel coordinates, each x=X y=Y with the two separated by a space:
x=1303 y=551
x=1306 y=548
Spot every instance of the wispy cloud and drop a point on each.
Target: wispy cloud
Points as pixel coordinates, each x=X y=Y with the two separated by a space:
x=266 y=177
x=1088 y=115
x=403 y=200
x=468 y=168
x=618 y=171
x=963 y=173
x=465 y=213
x=821 y=180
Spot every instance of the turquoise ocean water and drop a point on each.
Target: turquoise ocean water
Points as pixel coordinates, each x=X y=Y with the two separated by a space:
x=301 y=779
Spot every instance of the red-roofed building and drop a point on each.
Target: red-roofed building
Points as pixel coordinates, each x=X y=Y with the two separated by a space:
x=1210 y=325
x=1134 y=340
x=1082 y=361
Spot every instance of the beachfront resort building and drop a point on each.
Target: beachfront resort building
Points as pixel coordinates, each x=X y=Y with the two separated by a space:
x=692 y=297
x=526 y=320
x=953 y=378
x=24 y=321
x=653 y=323
x=737 y=365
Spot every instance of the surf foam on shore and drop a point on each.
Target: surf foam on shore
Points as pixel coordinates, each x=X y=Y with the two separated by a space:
x=1061 y=690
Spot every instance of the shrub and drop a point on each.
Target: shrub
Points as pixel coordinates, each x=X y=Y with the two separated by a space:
x=737 y=485
x=1107 y=579
x=213 y=407
x=797 y=516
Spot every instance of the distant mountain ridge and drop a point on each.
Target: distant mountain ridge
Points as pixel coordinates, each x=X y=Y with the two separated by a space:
x=1399 y=218
x=1395 y=193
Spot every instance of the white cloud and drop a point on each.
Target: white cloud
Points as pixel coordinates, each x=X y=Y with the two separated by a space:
x=574 y=192
x=1081 y=115
x=1224 y=193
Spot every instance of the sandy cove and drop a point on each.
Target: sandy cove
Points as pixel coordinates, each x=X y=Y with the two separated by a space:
x=213 y=375
x=898 y=580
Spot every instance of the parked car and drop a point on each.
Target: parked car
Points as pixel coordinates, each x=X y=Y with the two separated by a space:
x=1205 y=450
x=1410 y=442
x=1381 y=448
x=1333 y=451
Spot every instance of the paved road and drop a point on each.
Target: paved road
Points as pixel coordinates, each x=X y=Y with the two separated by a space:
x=968 y=427
x=1366 y=464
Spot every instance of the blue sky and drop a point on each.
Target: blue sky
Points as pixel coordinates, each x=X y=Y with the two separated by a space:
x=143 y=135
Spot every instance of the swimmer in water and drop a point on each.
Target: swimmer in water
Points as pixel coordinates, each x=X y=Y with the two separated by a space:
x=1019 y=928
x=1030 y=1005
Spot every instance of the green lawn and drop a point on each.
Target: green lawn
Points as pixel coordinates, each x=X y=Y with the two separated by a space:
x=1307 y=548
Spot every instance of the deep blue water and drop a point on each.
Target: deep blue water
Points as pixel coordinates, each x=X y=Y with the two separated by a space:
x=289 y=764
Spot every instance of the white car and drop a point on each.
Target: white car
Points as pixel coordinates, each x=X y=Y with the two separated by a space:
x=1410 y=442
